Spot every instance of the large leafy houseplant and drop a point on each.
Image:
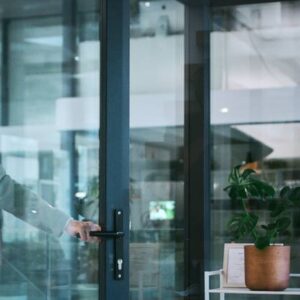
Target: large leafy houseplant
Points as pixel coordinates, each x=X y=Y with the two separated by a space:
x=244 y=186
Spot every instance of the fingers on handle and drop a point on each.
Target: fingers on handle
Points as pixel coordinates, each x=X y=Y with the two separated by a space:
x=83 y=231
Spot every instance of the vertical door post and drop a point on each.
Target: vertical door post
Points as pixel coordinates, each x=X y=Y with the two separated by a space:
x=114 y=139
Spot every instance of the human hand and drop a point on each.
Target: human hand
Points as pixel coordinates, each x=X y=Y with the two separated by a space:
x=82 y=230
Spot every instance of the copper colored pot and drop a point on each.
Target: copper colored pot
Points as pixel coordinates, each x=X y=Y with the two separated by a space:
x=267 y=269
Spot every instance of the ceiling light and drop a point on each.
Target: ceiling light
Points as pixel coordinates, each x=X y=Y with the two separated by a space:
x=80 y=195
x=224 y=110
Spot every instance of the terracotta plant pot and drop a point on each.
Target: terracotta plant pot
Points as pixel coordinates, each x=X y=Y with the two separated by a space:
x=267 y=269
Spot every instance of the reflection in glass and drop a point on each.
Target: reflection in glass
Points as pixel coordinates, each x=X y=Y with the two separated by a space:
x=156 y=149
x=49 y=143
x=254 y=105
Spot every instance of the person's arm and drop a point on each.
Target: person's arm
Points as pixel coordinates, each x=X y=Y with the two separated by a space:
x=29 y=207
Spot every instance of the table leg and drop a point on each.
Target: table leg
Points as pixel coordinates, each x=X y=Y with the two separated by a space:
x=206 y=286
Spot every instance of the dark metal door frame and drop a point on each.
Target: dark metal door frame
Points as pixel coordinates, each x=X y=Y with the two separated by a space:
x=114 y=140
x=196 y=145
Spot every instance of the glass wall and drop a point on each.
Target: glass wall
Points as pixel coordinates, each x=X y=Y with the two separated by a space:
x=254 y=106
x=49 y=143
x=156 y=149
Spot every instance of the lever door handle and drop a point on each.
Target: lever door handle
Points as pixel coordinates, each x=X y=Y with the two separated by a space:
x=117 y=237
x=107 y=234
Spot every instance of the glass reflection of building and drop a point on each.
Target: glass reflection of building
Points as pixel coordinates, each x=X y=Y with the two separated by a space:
x=156 y=147
x=49 y=131
x=49 y=142
x=254 y=105
x=254 y=113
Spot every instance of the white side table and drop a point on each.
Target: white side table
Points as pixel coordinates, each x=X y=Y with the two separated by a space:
x=222 y=291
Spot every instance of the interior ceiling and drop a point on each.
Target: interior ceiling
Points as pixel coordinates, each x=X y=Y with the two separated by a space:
x=167 y=136
x=282 y=138
x=34 y=8
x=29 y=8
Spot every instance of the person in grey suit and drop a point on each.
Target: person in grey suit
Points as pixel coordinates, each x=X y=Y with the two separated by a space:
x=23 y=203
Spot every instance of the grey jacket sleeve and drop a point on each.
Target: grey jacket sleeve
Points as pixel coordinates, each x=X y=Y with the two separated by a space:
x=29 y=207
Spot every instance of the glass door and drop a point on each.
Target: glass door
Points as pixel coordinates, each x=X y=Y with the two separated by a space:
x=50 y=137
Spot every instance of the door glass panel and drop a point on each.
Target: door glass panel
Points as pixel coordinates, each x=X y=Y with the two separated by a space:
x=156 y=149
x=49 y=144
x=254 y=107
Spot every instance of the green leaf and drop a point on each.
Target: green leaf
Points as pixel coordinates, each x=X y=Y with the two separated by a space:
x=236 y=172
x=278 y=209
x=262 y=242
x=242 y=224
x=247 y=173
x=294 y=195
x=234 y=175
x=237 y=192
x=252 y=191
x=284 y=192
x=282 y=224
x=264 y=189
x=243 y=186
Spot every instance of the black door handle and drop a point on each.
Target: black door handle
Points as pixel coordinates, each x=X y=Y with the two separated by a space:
x=117 y=235
x=107 y=234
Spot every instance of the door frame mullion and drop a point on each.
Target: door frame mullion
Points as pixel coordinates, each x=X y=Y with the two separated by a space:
x=114 y=140
x=197 y=146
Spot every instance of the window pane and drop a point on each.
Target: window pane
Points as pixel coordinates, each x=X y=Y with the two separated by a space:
x=156 y=133
x=254 y=107
x=49 y=144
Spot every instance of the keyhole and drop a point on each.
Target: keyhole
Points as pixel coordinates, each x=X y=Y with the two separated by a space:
x=120 y=263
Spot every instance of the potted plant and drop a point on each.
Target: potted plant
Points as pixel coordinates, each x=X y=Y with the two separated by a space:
x=267 y=264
